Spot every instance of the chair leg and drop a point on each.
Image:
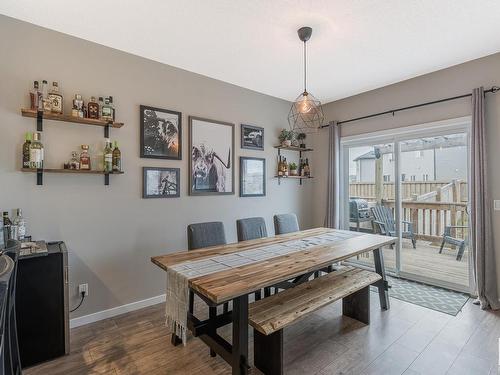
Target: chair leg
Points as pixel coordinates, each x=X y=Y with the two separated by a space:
x=414 y=242
x=258 y=295
x=441 y=248
x=461 y=252
x=357 y=305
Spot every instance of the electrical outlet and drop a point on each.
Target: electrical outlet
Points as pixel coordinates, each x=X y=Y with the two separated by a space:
x=496 y=205
x=83 y=288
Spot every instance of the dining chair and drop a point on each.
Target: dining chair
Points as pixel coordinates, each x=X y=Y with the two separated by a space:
x=202 y=235
x=285 y=223
x=13 y=361
x=251 y=228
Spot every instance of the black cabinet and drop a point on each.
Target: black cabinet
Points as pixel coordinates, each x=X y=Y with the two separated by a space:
x=42 y=305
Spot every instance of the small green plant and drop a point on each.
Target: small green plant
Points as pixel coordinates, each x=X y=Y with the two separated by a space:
x=286 y=135
x=292 y=166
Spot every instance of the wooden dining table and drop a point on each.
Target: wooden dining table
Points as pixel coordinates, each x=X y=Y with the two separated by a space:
x=237 y=284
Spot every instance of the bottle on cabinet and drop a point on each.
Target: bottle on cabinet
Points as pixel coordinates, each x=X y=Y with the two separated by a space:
x=26 y=150
x=108 y=157
x=20 y=224
x=56 y=99
x=36 y=152
x=6 y=227
x=117 y=158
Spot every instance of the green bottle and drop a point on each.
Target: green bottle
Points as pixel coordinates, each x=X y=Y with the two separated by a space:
x=108 y=157
x=26 y=150
x=117 y=158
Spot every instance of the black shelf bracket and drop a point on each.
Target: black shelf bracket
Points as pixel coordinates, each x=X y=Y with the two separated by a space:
x=106 y=179
x=39 y=176
x=39 y=121
x=106 y=129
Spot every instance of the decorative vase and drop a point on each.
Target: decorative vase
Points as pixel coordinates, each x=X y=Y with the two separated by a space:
x=293 y=172
x=286 y=143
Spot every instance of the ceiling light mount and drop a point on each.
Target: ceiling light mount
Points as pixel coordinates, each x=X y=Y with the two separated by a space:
x=305 y=33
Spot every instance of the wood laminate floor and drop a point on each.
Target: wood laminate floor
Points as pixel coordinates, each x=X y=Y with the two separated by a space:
x=407 y=339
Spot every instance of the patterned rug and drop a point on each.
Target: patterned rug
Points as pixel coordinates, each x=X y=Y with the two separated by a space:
x=432 y=297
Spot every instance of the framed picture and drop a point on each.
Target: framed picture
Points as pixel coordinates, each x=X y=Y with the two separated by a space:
x=161 y=133
x=252 y=177
x=252 y=137
x=211 y=161
x=161 y=182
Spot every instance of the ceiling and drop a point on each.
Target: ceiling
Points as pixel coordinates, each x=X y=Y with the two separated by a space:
x=356 y=46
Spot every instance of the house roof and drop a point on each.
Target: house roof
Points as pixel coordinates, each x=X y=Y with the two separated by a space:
x=368 y=155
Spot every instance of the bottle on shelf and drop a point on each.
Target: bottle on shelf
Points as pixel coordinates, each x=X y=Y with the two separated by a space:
x=299 y=172
x=285 y=167
x=20 y=223
x=117 y=158
x=108 y=157
x=93 y=108
x=7 y=226
x=26 y=150
x=85 y=158
x=47 y=106
x=112 y=108
x=56 y=99
x=307 y=169
x=74 y=162
x=106 y=110
x=77 y=110
x=36 y=152
x=34 y=93
x=101 y=103
x=280 y=171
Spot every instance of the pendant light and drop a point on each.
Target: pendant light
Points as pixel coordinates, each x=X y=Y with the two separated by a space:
x=306 y=114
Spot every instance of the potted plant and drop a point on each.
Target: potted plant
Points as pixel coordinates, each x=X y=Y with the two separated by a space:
x=293 y=169
x=301 y=137
x=286 y=137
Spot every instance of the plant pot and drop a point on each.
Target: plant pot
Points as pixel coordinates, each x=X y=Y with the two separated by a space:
x=293 y=172
x=302 y=145
x=286 y=143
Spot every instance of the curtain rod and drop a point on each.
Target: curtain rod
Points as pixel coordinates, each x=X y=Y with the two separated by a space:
x=494 y=89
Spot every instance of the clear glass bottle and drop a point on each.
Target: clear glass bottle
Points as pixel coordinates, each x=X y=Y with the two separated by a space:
x=7 y=224
x=20 y=223
x=26 y=150
x=74 y=163
x=85 y=158
x=112 y=108
x=56 y=99
x=108 y=157
x=117 y=158
x=101 y=103
x=34 y=96
x=107 y=110
x=47 y=106
x=36 y=152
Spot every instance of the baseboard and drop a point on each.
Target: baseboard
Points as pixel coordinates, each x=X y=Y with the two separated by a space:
x=109 y=313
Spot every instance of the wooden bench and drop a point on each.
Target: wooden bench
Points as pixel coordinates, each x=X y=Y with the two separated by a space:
x=271 y=315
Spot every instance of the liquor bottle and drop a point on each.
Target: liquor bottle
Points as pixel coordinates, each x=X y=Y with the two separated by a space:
x=85 y=113
x=307 y=170
x=112 y=107
x=85 y=158
x=56 y=99
x=106 y=110
x=93 y=108
x=36 y=152
x=108 y=157
x=101 y=103
x=20 y=223
x=285 y=167
x=117 y=158
x=34 y=96
x=7 y=224
x=280 y=172
x=299 y=172
x=26 y=150
x=74 y=162
x=47 y=106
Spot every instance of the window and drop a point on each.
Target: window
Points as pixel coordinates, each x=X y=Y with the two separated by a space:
x=387 y=177
x=419 y=154
x=425 y=177
x=413 y=177
x=403 y=177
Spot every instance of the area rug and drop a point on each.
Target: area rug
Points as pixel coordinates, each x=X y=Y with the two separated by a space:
x=432 y=297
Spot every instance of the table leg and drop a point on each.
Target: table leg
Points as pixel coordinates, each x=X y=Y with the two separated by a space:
x=240 y=336
x=382 y=285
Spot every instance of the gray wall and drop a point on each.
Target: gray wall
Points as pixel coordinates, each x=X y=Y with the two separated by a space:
x=449 y=82
x=110 y=231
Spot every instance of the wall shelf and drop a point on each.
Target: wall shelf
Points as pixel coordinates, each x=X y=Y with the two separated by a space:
x=40 y=172
x=294 y=177
x=293 y=148
x=300 y=150
x=67 y=118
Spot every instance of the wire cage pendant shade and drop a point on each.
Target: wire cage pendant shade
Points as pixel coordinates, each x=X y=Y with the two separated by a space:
x=306 y=114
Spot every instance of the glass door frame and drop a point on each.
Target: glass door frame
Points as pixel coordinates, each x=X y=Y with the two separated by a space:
x=395 y=136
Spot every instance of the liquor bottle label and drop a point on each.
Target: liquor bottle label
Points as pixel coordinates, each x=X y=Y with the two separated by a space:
x=56 y=103
x=36 y=155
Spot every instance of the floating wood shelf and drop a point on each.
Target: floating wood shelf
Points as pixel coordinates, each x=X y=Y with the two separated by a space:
x=62 y=170
x=68 y=118
x=294 y=177
x=293 y=148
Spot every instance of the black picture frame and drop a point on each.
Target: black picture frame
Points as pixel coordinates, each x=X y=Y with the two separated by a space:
x=151 y=144
x=209 y=184
x=256 y=142
x=244 y=181
x=145 y=189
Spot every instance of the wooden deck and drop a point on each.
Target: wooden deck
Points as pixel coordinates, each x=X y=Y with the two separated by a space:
x=425 y=261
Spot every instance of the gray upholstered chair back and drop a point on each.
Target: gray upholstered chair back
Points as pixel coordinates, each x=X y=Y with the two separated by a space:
x=251 y=228
x=205 y=234
x=285 y=223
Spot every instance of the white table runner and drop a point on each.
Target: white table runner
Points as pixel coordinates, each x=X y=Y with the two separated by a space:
x=177 y=295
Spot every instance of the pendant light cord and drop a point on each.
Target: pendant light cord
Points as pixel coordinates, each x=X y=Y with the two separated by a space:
x=305 y=67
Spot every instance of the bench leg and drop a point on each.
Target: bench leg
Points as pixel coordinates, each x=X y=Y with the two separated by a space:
x=268 y=352
x=357 y=305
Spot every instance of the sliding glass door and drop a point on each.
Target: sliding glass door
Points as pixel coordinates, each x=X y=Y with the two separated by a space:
x=412 y=184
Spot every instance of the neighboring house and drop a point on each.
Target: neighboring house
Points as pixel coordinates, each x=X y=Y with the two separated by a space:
x=439 y=164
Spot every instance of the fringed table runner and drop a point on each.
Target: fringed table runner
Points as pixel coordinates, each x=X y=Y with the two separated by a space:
x=177 y=295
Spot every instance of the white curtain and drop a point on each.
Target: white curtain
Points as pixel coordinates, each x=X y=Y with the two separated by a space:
x=483 y=251
x=333 y=183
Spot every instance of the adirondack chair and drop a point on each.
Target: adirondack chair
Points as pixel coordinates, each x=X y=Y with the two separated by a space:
x=385 y=225
x=448 y=238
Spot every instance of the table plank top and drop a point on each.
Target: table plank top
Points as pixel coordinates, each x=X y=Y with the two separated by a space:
x=225 y=285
